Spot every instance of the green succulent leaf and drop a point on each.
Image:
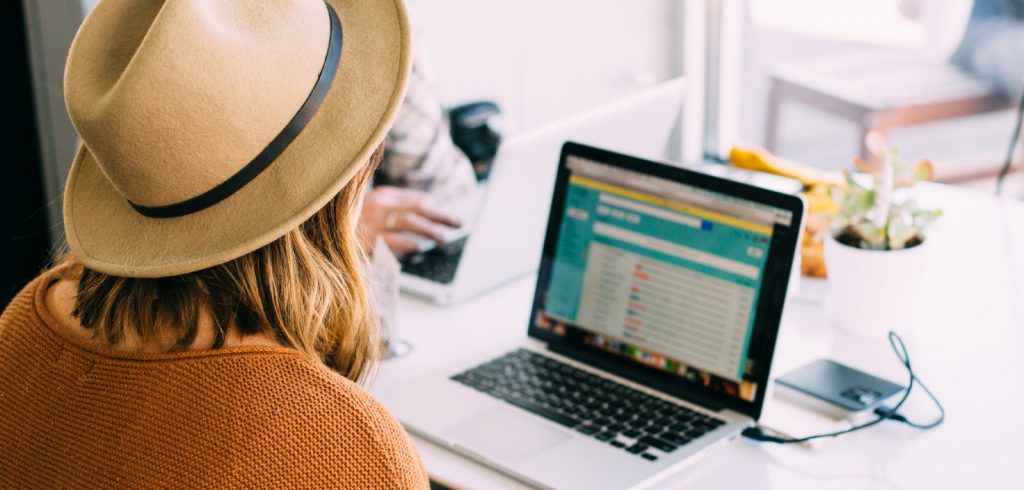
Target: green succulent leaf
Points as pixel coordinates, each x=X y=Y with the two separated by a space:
x=926 y=217
x=900 y=232
x=851 y=182
x=872 y=236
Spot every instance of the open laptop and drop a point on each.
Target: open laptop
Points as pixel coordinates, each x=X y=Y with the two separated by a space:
x=653 y=326
x=507 y=230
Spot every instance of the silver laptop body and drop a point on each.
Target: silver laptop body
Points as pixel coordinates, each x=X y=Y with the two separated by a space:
x=677 y=305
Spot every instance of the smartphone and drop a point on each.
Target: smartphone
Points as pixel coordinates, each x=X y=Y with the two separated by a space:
x=836 y=388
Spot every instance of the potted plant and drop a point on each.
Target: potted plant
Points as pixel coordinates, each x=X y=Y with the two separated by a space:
x=877 y=249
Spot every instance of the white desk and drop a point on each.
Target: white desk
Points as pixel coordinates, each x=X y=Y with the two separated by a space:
x=969 y=350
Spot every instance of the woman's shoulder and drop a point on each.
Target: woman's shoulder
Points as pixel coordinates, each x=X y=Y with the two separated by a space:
x=338 y=427
x=281 y=381
x=290 y=380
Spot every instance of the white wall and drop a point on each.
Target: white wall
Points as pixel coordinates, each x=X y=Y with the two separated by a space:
x=545 y=59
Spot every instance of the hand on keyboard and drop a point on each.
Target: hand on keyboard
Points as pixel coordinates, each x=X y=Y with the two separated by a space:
x=396 y=213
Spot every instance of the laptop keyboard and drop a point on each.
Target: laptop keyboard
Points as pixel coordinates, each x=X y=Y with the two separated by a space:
x=603 y=409
x=437 y=264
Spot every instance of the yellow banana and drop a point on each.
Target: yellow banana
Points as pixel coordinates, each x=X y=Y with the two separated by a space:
x=760 y=160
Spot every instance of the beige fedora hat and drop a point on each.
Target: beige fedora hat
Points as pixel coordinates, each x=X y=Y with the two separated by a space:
x=211 y=128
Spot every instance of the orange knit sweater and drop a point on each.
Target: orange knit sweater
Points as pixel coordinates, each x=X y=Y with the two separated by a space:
x=76 y=415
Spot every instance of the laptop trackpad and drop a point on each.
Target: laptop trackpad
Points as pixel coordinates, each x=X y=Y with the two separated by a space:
x=504 y=434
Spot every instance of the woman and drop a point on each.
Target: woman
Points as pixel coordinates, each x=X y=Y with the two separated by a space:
x=210 y=325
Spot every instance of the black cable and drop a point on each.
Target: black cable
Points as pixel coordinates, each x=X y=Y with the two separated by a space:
x=1013 y=145
x=892 y=415
x=883 y=413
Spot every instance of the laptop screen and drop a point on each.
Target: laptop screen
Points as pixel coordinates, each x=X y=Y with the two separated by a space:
x=663 y=274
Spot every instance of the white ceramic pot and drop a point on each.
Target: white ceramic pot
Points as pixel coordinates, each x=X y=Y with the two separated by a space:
x=874 y=291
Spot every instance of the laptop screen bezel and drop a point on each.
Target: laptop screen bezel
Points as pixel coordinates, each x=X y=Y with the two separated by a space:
x=771 y=298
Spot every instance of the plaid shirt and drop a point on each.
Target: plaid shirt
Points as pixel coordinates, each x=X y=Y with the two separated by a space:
x=419 y=153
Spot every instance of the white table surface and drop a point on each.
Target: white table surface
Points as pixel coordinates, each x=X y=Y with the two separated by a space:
x=968 y=347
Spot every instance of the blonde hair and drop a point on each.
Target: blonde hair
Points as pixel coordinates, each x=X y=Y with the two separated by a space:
x=304 y=289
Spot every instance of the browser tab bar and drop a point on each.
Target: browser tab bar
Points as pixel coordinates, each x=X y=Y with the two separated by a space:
x=682 y=193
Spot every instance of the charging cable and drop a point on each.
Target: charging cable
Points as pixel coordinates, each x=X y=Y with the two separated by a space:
x=1013 y=146
x=883 y=413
